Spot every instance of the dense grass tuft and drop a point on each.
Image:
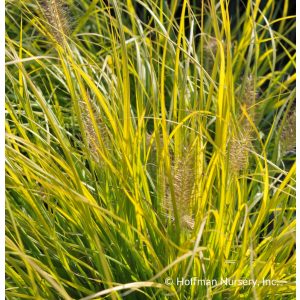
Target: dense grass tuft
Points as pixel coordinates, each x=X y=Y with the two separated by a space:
x=150 y=141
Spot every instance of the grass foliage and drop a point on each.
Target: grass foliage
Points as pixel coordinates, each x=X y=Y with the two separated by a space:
x=146 y=140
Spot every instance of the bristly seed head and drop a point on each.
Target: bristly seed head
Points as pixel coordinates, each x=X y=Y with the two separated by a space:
x=183 y=173
x=288 y=134
x=55 y=13
x=239 y=152
x=250 y=95
x=210 y=50
x=92 y=139
x=248 y=100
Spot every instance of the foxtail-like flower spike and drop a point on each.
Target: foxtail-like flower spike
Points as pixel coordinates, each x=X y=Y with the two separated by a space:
x=239 y=151
x=288 y=134
x=56 y=15
x=183 y=173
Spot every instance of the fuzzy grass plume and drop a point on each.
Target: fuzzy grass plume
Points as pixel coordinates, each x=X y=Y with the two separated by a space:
x=56 y=14
x=183 y=180
x=288 y=134
x=96 y=140
x=239 y=148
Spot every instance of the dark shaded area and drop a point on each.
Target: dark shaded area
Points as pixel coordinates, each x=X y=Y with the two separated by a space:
x=236 y=8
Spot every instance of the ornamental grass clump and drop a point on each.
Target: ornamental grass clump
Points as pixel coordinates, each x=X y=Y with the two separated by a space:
x=139 y=152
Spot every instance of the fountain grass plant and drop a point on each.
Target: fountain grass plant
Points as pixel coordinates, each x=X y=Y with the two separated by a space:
x=149 y=142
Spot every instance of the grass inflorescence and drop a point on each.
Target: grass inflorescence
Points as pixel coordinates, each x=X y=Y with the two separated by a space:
x=57 y=19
